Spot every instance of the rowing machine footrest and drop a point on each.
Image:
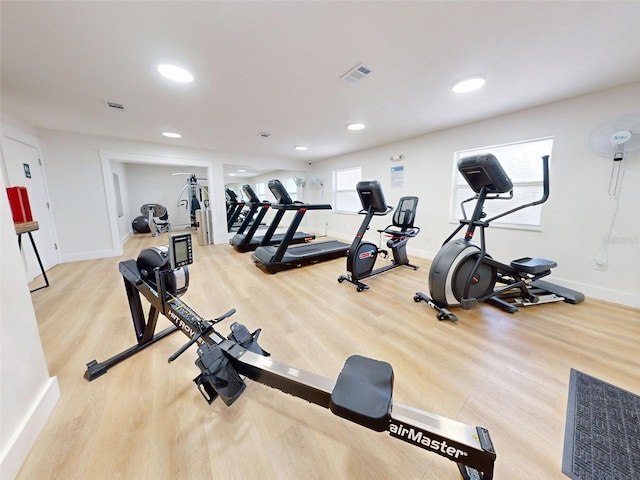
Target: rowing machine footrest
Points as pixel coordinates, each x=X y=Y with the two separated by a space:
x=240 y=334
x=363 y=392
x=218 y=375
x=533 y=266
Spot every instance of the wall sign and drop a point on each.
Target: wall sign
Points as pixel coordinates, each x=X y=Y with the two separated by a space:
x=397 y=176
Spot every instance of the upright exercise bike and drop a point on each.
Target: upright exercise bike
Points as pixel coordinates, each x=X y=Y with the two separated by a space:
x=464 y=274
x=362 y=255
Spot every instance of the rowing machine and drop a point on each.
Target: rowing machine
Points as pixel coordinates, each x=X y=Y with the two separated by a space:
x=362 y=392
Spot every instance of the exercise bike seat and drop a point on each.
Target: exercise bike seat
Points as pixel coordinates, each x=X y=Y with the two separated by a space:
x=533 y=266
x=363 y=392
x=403 y=218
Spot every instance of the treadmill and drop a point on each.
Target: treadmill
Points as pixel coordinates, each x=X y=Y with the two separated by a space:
x=249 y=241
x=275 y=258
x=234 y=209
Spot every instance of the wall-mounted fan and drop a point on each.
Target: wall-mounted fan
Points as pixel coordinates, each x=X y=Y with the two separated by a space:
x=299 y=182
x=614 y=139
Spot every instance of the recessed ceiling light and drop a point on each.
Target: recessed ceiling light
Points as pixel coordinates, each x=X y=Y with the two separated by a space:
x=355 y=126
x=241 y=170
x=171 y=134
x=302 y=148
x=468 y=85
x=175 y=73
x=232 y=174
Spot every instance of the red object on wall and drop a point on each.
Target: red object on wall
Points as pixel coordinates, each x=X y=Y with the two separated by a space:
x=19 y=202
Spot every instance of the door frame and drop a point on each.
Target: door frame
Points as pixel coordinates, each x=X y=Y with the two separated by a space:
x=109 y=157
x=16 y=134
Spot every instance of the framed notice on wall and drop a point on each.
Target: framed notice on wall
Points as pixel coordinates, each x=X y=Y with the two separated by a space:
x=397 y=176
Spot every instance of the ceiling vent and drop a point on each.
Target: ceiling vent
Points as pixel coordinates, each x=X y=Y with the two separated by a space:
x=264 y=135
x=357 y=73
x=115 y=106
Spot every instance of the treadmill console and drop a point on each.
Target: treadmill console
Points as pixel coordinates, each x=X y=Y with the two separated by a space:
x=180 y=250
x=278 y=191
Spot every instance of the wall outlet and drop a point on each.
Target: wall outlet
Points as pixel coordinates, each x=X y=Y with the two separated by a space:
x=599 y=264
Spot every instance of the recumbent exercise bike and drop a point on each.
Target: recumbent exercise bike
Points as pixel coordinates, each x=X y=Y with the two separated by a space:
x=362 y=255
x=464 y=274
x=362 y=392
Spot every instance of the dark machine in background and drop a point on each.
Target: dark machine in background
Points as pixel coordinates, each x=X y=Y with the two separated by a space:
x=275 y=258
x=154 y=220
x=246 y=238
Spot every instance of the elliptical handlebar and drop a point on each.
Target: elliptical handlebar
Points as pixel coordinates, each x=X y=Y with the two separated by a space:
x=545 y=179
x=545 y=192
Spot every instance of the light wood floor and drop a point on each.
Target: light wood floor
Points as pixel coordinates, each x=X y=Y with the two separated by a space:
x=145 y=418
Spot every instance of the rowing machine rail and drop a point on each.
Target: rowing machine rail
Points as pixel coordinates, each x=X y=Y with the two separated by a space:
x=225 y=363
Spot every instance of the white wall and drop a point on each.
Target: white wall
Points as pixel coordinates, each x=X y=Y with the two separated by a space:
x=27 y=393
x=577 y=216
x=157 y=184
x=80 y=201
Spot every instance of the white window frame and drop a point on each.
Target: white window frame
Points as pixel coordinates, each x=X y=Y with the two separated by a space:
x=522 y=161
x=345 y=197
x=291 y=188
x=261 y=190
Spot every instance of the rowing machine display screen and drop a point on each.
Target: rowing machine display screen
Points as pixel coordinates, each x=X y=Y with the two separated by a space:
x=180 y=250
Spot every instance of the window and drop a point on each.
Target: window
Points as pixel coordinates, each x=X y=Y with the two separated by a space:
x=292 y=188
x=345 y=196
x=261 y=190
x=523 y=163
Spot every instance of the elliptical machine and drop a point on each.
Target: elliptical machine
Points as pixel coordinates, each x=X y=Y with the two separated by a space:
x=362 y=255
x=464 y=274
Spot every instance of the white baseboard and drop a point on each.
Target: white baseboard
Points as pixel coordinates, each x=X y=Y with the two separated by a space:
x=19 y=445
x=601 y=293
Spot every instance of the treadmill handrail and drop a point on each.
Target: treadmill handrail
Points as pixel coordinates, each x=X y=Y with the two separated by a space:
x=301 y=206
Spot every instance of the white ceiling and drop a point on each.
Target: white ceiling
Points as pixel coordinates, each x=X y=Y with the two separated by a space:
x=275 y=66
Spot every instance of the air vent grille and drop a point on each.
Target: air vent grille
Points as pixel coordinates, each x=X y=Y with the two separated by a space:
x=357 y=73
x=115 y=105
x=264 y=134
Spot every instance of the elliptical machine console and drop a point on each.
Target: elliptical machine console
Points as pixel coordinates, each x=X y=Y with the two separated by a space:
x=464 y=274
x=362 y=255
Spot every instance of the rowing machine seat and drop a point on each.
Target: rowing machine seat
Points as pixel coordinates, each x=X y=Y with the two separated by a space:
x=363 y=392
